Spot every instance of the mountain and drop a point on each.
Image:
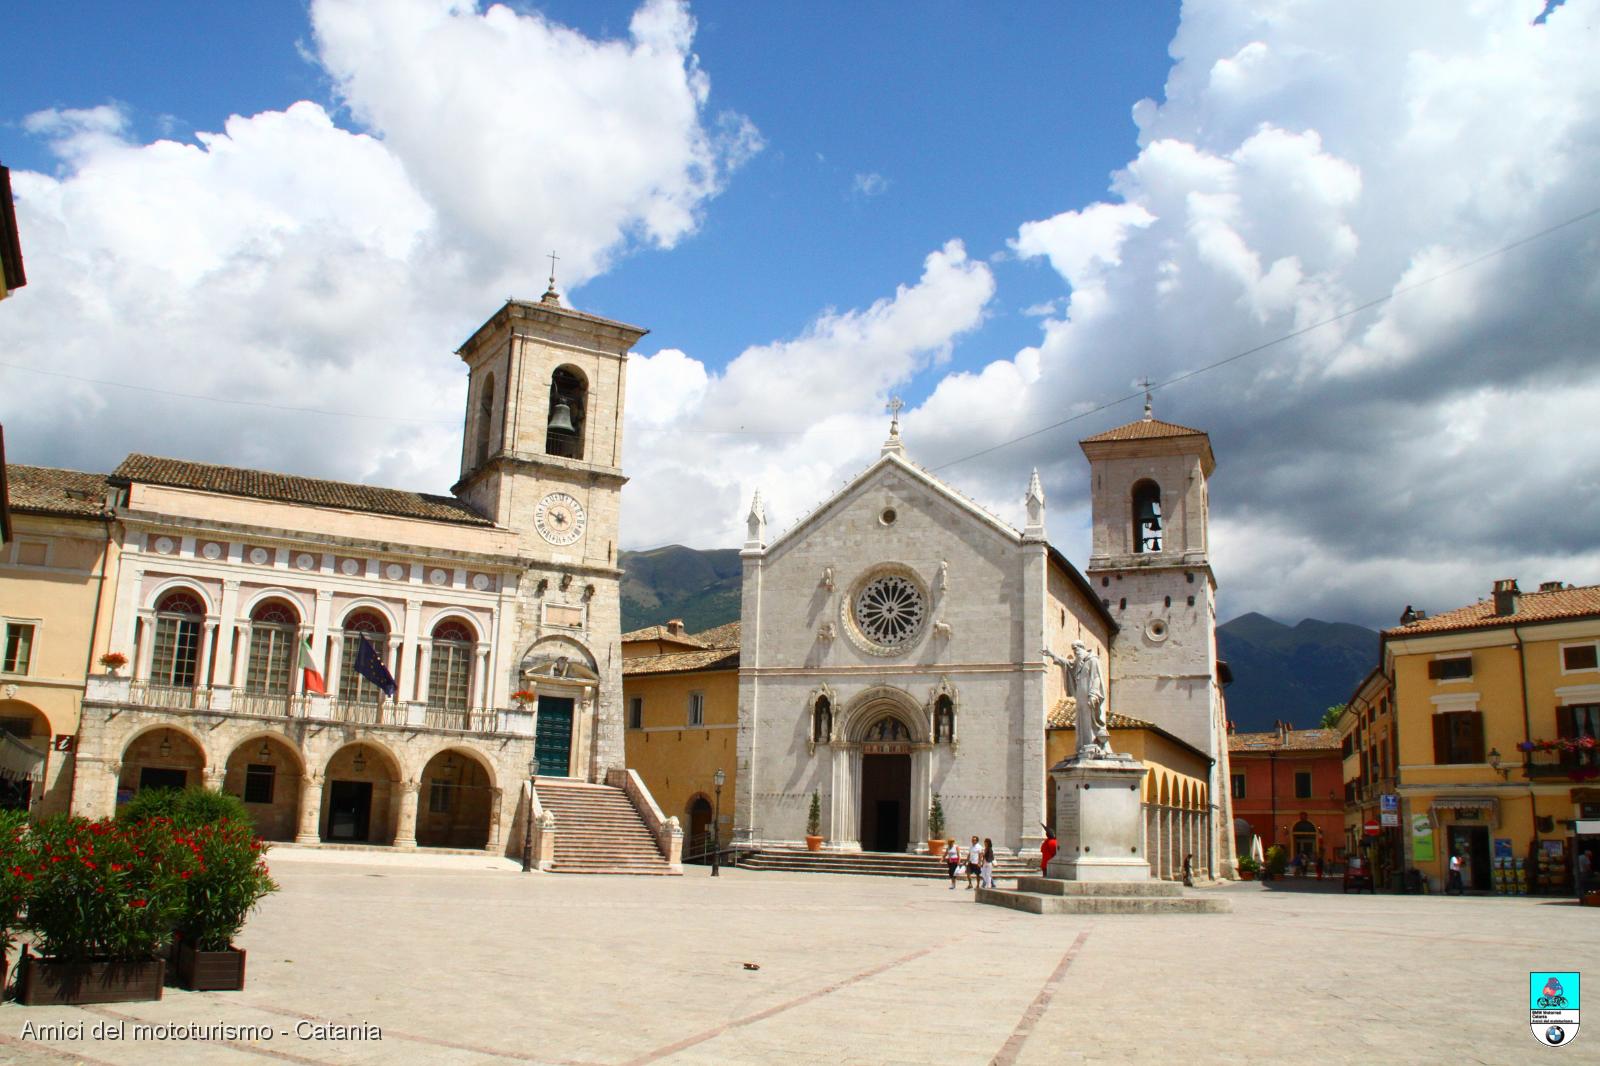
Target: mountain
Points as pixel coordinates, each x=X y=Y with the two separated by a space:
x=700 y=587
x=1293 y=673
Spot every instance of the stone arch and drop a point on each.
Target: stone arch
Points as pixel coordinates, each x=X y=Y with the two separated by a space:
x=361 y=793
x=267 y=771
x=554 y=647
x=871 y=704
x=183 y=584
x=162 y=755
x=16 y=710
x=822 y=714
x=456 y=804
x=944 y=707
x=370 y=603
x=455 y=614
x=247 y=609
x=1165 y=795
x=28 y=727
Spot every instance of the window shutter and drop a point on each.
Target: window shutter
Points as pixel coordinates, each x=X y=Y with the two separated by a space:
x=1474 y=722
x=1435 y=669
x=1441 y=739
x=1566 y=724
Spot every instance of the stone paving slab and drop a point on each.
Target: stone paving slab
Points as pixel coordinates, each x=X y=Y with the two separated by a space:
x=457 y=964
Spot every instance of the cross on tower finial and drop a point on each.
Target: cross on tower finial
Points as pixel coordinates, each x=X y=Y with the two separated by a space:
x=550 y=294
x=1146 y=384
x=893 y=407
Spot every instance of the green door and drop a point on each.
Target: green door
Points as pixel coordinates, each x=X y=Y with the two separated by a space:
x=552 y=741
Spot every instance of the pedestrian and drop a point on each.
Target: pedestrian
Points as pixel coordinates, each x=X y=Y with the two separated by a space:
x=974 y=861
x=1047 y=851
x=1188 y=870
x=1585 y=870
x=1454 y=881
x=952 y=859
x=988 y=863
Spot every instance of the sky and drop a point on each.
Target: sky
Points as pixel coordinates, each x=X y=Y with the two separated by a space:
x=1358 y=244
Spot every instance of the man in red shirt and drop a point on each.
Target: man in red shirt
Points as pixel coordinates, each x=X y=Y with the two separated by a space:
x=1047 y=851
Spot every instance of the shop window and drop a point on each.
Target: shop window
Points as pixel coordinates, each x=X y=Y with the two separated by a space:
x=697 y=708
x=1458 y=737
x=1580 y=657
x=258 y=781
x=636 y=712
x=1238 y=786
x=1302 y=784
x=1455 y=668
x=19 y=648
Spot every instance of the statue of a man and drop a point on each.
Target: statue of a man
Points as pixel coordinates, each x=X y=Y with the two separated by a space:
x=1084 y=684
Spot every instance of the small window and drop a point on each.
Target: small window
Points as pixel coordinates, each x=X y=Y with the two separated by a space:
x=636 y=712
x=1458 y=737
x=697 y=708
x=19 y=648
x=1453 y=669
x=1302 y=784
x=439 y=797
x=1580 y=657
x=258 y=781
x=1238 y=786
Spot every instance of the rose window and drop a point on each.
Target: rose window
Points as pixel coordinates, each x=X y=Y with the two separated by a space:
x=890 y=610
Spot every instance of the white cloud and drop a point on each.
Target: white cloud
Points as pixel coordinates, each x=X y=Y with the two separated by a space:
x=869 y=184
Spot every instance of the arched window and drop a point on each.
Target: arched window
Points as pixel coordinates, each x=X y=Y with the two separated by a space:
x=375 y=629
x=822 y=721
x=450 y=666
x=1146 y=517
x=944 y=720
x=569 y=396
x=177 y=639
x=485 y=419
x=274 y=632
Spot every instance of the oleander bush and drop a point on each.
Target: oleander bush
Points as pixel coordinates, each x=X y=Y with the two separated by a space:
x=188 y=808
x=229 y=881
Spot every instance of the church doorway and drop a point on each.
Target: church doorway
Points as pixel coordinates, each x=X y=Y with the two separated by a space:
x=552 y=739
x=885 y=802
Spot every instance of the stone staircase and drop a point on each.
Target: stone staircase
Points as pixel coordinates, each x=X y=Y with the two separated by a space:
x=873 y=863
x=598 y=831
x=1047 y=895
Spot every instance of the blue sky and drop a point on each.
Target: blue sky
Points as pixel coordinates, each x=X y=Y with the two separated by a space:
x=1003 y=214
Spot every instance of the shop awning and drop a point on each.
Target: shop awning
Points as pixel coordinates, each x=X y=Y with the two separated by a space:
x=1469 y=803
x=19 y=761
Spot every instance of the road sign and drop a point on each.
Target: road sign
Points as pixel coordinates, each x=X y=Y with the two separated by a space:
x=1372 y=828
x=1390 y=818
x=1389 y=802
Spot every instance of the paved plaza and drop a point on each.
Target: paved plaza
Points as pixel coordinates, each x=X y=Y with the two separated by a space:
x=466 y=960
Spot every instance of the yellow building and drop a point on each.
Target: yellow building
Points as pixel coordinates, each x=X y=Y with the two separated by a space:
x=1497 y=709
x=1367 y=744
x=1176 y=801
x=52 y=585
x=681 y=697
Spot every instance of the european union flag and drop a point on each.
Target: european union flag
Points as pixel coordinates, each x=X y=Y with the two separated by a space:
x=369 y=664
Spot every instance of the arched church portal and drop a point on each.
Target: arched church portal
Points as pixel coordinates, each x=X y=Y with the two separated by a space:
x=886 y=808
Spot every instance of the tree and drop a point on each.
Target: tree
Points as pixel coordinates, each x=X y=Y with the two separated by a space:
x=1331 y=715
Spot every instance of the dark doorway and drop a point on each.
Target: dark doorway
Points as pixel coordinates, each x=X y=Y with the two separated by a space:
x=15 y=795
x=885 y=802
x=155 y=777
x=349 y=809
x=1471 y=842
x=552 y=740
x=699 y=846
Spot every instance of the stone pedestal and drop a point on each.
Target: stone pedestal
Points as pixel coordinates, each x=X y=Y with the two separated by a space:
x=1099 y=822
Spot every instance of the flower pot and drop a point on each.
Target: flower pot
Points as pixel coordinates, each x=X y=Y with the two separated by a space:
x=210 y=971
x=48 y=982
x=1591 y=899
x=1247 y=875
x=813 y=843
x=936 y=846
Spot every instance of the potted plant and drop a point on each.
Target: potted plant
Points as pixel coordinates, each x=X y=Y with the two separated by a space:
x=1277 y=861
x=113 y=661
x=936 y=837
x=102 y=905
x=229 y=880
x=522 y=697
x=814 y=823
x=1248 y=868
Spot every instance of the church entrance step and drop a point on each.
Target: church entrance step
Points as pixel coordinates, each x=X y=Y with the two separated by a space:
x=880 y=864
x=1129 y=897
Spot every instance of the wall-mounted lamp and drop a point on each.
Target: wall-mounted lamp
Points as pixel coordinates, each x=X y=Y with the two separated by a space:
x=359 y=763
x=166 y=746
x=1494 y=764
x=265 y=753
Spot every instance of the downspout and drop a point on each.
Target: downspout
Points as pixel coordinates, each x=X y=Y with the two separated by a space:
x=1527 y=731
x=106 y=517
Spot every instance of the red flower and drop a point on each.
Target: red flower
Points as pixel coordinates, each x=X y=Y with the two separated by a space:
x=184 y=876
x=137 y=902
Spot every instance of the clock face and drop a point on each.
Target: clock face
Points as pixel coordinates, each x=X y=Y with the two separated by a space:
x=559 y=518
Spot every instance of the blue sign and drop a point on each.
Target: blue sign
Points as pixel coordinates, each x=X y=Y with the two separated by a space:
x=1388 y=802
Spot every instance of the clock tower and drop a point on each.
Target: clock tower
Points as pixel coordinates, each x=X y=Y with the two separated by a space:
x=541 y=455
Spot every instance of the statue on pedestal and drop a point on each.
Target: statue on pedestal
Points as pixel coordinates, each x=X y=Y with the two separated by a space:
x=1085 y=685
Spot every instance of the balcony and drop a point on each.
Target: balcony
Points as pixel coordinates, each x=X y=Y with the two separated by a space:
x=227 y=702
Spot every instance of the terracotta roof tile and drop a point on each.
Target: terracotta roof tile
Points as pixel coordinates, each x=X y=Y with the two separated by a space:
x=723 y=636
x=1144 y=429
x=46 y=490
x=1582 y=601
x=679 y=662
x=1064 y=715
x=1293 y=740
x=289 y=488
x=662 y=633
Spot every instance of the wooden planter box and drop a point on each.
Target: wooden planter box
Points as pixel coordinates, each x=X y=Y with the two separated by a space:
x=45 y=982
x=210 y=971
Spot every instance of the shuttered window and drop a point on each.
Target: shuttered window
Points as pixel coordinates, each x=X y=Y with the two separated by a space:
x=1458 y=737
x=1575 y=723
x=1452 y=669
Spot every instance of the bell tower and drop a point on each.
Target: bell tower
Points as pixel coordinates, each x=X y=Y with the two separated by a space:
x=541 y=456
x=1150 y=565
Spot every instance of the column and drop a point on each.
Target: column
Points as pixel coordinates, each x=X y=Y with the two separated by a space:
x=480 y=678
x=496 y=796
x=228 y=614
x=405 y=830
x=921 y=794
x=208 y=636
x=406 y=653
x=147 y=644
x=335 y=663
x=424 y=673
x=241 y=661
x=310 y=809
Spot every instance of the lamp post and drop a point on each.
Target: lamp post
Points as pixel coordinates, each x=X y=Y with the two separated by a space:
x=527 y=827
x=718 y=779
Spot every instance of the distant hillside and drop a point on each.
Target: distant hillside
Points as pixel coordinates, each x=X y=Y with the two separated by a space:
x=1293 y=673
x=1288 y=672
x=700 y=587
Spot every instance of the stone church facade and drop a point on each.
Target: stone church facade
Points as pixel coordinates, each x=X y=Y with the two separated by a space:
x=496 y=611
x=891 y=649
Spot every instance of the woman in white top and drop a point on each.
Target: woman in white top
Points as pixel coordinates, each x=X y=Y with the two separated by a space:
x=988 y=863
x=952 y=859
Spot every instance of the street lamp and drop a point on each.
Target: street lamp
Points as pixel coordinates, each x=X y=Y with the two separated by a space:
x=1494 y=764
x=527 y=828
x=719 y=779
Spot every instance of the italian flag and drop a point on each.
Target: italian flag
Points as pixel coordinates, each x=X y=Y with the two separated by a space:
x=314 y=682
